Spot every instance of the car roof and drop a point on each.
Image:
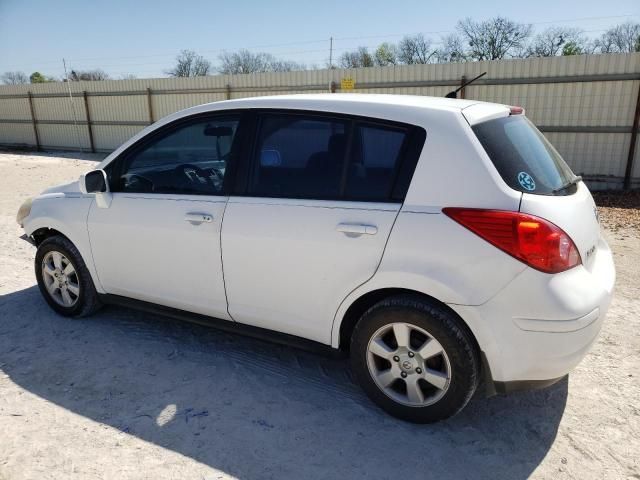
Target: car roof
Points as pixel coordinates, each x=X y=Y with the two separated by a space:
x=378 y=105
x=324 y=101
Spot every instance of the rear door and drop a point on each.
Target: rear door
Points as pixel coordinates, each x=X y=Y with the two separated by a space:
x=319 y=200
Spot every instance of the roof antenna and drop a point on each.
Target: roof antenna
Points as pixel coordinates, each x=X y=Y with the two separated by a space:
x=454 y=94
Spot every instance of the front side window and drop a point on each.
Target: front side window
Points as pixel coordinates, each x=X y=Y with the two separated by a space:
x=189 y=159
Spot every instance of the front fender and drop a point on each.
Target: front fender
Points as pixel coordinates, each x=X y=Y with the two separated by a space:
x=68 y=215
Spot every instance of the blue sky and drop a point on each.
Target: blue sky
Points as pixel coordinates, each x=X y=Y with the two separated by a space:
x=142 y=37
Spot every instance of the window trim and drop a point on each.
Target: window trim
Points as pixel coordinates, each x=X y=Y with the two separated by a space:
x=118 y=163
x=415 y=137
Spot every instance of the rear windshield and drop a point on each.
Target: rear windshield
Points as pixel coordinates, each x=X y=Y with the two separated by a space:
x=524 y=157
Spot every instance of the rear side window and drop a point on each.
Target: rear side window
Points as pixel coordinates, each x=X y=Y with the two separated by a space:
x=300 y=155
x=522 y=155
x=376 y=153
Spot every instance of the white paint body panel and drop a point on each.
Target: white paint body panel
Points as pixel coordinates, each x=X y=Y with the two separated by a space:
x=288 y=268
x=284 y=265
x=65 y=209
x=561 y=324
x=144 y=249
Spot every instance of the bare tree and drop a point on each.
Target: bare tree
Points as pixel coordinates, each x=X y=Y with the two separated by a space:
x=623 y=38
x=386 y=54
x=14 y=78
x=553 y=41
x=414 y=49
x=452 y=49
x=278 y=65
x=494 y=39
x=244 y=61
x=88 y=75
x=128 y=76
x=357 y=58
x=190 y=64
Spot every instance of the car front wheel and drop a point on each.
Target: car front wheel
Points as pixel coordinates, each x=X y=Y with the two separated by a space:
x=414 y=359
x=63 y=278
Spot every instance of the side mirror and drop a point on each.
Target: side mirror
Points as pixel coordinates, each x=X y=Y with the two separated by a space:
x=94 y=182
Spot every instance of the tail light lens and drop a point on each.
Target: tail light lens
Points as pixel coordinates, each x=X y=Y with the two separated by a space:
x=532 y=240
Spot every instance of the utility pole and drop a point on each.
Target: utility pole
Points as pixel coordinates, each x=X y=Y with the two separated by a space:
x=330 y=52
x=73 y=108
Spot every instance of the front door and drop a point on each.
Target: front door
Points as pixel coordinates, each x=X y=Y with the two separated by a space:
x=159 y=239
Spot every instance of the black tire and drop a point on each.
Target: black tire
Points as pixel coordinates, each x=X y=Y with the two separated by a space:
x=443 y=326
x=87 y=301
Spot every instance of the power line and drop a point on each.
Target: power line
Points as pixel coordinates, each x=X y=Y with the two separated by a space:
x=82 y=60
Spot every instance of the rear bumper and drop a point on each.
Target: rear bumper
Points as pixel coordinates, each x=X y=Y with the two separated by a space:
x=539 y=327
x=504 y=388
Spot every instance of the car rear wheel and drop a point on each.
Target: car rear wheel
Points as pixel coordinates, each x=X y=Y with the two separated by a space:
x=415 y=359
x=63 y=278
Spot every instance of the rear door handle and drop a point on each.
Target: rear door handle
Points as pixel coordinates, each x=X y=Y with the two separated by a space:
x=198 y=218
x=357 y=229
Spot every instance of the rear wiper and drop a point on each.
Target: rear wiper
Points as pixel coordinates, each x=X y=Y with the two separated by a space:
x=572 y=182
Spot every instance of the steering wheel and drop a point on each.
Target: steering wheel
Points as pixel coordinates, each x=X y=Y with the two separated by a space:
x=200 y=175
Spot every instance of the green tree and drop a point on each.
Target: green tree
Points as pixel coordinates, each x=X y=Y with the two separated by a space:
x=386 y=54
x=37 y=77
x=572 y=48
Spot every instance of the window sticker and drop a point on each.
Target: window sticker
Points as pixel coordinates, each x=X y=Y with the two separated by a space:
x=526 y=181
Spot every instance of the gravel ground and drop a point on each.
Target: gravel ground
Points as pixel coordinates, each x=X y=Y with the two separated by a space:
x=124 y=395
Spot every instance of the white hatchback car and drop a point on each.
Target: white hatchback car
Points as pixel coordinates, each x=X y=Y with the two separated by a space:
x=440 y=242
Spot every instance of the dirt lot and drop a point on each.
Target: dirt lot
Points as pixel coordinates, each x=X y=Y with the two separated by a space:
x=125 y=395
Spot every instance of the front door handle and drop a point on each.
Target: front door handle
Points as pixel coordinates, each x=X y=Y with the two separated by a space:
x=357 y=229
x=198 y=218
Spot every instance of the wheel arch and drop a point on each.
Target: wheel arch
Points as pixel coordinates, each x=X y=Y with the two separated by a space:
x=41 y=234
x=43 y=227
x=363 y=302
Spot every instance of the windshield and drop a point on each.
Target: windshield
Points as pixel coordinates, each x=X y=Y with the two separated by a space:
x=524 y=157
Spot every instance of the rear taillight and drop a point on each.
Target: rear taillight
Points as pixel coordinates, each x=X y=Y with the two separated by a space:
x=533 y=240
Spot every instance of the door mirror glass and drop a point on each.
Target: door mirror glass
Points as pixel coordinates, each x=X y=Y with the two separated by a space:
x=94 y=182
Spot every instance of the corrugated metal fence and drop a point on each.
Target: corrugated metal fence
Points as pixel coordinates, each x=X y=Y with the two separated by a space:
x=588 y=106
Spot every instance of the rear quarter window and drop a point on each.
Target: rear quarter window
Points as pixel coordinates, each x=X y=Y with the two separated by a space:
x=523 y=156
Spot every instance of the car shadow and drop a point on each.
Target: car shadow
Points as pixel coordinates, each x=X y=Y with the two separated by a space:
x=256 y=410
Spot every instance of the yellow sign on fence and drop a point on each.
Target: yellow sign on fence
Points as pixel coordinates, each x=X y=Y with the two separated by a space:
x=347 y=84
